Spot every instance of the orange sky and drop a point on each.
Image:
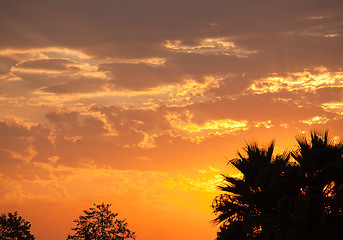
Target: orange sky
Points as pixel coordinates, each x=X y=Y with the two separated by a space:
x=140 y=103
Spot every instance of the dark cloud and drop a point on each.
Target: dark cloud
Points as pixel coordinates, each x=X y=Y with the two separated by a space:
x=329 y=94
x=138 y=76
x=75 y=85
x=285 y=35
x=25 y=141
x=52 y=83
x=8 y=129
x=48 y=64
x=200 y=65
x=257 y=108
x=73 y=124
x=20 y=147
x=6 y=63
x=16 y=88
x=232 y=85
x=112 y=23
x=140 y=119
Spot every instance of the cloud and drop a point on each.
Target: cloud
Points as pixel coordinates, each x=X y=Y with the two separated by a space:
x=126 y=30
x=308 y=80
x=330 y=94
x=13 y=129
x=58 y=65
x=219 y=46
x=73 y=124
x=139 y=76
x=23 y=144
x=75 y=85
x=15 y=142
x=36 y=70
x=6 y=63
x=316 y=120
x=182 y=125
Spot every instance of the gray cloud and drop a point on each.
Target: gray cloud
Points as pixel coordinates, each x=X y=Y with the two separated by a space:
x=112 y=22
x=286 y=35
x=138 y=76
x=6 y=63
x=48 y=64
x=73 y=124
x=329 y=94
x=75 y=85
x=258 y=108
x=140 y=119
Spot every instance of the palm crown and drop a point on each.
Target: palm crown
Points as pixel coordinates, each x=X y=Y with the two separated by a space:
x=279 y=197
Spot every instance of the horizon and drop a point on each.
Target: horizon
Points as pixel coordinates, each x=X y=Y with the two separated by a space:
x=140 y=104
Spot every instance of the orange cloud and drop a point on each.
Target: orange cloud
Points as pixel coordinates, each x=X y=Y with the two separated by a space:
x=308 y=80
x=216 y=46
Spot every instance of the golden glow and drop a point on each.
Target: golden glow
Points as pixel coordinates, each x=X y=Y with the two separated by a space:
x=73 y=139
x=29 y=153
x=316 y=120
x=330 y=35
x=44 y=53
x=35 y=71
x=151 y=61
x=181 y=94
x=216 y=46
x=207 y=182
x=215 y=125
x=308 y=80
x=148 y=141
x=186 y=92
x=199 y=132
x=336 y=107
x=267 y=124
x=317 y=17
x=72 y=55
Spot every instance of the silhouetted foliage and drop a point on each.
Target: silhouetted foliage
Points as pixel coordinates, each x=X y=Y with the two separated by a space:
x=100 y=223
x=282 y=197
x=14 y=227
x=318 y=212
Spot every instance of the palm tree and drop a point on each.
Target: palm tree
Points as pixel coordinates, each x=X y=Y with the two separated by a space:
x=248 y=207
x=283 y=198
x=320 y=179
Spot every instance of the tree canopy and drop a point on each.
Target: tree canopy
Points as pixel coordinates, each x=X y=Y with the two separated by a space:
x=99 y=223
x=14 y=227
x=295 y=195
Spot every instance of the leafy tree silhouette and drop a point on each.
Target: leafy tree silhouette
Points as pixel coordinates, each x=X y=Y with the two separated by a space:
x=100 y=223
x=13 y=226
x=281 y=197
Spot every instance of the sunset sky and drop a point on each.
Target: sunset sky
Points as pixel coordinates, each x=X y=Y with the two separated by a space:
x=139 y=103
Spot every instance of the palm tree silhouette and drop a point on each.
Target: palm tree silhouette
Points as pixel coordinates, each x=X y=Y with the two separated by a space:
x=247 y=209
x=320 y=175
x=281 y=197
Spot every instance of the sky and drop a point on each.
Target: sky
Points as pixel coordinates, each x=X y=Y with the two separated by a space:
x=141 y=104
